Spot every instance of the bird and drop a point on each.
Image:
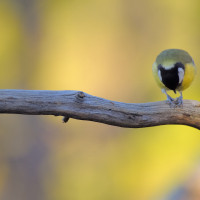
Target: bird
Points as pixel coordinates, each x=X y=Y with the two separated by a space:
x=174 y=69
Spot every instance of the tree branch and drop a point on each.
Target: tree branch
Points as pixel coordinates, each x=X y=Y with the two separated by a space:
x=79 y=105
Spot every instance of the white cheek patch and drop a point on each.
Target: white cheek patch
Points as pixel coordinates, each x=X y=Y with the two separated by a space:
x=180 y=75
x=159 y=75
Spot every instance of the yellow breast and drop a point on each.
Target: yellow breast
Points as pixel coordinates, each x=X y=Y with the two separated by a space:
x=190 y=71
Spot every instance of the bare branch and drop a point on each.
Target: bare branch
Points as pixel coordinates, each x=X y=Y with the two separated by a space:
x=79 y=105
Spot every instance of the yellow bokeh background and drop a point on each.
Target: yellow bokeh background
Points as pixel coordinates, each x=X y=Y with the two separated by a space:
x=105 y=48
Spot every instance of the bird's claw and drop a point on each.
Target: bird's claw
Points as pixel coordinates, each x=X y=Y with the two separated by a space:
x=173 y=103
x=170 y=101
x=179 y=101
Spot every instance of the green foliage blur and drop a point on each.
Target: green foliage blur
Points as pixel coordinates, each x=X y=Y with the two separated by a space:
x=105 y=48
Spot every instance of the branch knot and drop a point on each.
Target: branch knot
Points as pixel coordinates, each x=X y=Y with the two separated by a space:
x=80 y=95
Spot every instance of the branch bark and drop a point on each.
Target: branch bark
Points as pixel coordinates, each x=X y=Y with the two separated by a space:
x=80 y=105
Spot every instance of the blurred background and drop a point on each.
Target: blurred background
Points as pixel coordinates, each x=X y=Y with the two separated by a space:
x=105 y=48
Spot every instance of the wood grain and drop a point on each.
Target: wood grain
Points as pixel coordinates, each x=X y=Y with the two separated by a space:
x=80 y=105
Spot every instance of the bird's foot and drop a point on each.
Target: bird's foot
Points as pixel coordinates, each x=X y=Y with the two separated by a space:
x=179 y=101
x=173 y=103
x=170 y=101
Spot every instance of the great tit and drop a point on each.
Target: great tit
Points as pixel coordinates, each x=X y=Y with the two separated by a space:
x=174 y=69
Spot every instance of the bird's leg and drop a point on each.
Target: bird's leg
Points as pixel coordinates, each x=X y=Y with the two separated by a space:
x=179 y=100
x=170 y=100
